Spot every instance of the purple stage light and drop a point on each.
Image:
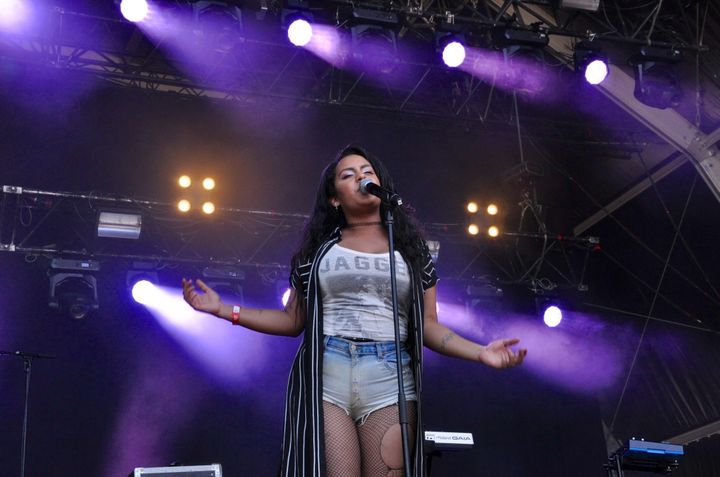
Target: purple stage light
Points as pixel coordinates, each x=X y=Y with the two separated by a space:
x=13 y=13
x=300 y=32
x=596 y=72
x=144 y=292
x=134 y=10
x=453 y=54
x=552 y=316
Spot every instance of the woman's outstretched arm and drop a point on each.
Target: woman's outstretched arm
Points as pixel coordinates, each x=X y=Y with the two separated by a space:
x=289 y=321
x=441 y=339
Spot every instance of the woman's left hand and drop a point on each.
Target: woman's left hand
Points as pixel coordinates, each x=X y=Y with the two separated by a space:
x=499 y=354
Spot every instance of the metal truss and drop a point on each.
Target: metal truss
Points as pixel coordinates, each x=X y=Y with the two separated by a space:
x=62 y=224
x=118 y=52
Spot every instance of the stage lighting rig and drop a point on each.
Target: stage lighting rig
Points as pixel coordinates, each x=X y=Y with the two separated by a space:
x=591 y=61
x=523 y=55
x=656 y=77
x=218 y=24
x=141 y=281
x=134 y=10
x=451 y=47
x=115 y=224
x=297 y=20
x=488 y=216
x=73 y=289
x=374 y=41
x=191 y=196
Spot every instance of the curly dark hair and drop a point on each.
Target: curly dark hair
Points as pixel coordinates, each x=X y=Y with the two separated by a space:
x=324 y=218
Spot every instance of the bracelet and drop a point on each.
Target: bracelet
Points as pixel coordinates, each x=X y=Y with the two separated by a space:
x=235 y=318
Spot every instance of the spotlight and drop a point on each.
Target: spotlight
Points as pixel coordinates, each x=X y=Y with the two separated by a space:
x=300 y=32
x=552 y=316
x=183 y=205
x=596 y=71
x=525 y=69
x=208 y=208
x=74 y=294
x=656 y=77
x=452 y=47
x=73 y=290
x=218 y=24
x=298 y=22
x=144 y=292
x=493 y=231
x=184 y=181
x=134 y=10
x=550 y=310
x=374 y=42
x=473 y=229
x=492 y=209
x=208 y=183
x=142 y=283
x=14 y=13
x=119 y=225
x=472 y=207
x=591 y=62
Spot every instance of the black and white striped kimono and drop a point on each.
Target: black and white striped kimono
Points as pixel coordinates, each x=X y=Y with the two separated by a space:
x=303 y=442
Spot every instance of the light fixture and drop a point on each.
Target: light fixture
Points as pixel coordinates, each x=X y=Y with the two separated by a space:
x=119 y=225
x=493 y=231
x=298 y=20
x=525 y=68
x=451 y=46
x=208 y=208
x=591 y=62
x=142 y=282
x=300 y=31
x=374 y=42
x=550 y=310
x=134 y=10
x=184 y=181
x=492 y=209
x=586 y=5
x=183 y=205
x=472 y=207
x=73 y=289
x=473 y=229
x=15 y=14
x=218 y=24
x=208 y=183
x=656 y=77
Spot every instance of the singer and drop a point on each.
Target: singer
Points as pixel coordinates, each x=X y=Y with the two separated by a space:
x=341 y=417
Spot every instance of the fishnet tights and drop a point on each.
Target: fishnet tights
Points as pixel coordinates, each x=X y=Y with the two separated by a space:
x=373 y=449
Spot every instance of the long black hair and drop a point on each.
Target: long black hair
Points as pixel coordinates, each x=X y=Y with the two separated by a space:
x=325 y=218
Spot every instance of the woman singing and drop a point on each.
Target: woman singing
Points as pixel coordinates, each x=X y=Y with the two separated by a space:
x=341 y=413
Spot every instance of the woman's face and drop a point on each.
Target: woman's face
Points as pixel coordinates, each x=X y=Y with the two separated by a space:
x=348 y=174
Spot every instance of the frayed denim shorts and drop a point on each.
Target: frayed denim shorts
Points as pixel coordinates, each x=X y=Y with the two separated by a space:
x=361 y=377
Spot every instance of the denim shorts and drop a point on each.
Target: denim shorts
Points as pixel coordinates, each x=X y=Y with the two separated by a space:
x=361 y=377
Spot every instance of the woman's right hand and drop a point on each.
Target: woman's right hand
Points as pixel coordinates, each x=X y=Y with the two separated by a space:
x=207 y=301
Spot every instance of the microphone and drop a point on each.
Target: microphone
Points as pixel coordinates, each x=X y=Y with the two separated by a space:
x=369 y=187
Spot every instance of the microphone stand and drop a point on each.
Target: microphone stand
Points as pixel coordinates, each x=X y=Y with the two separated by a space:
x=402 y=401
x=27 y=360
